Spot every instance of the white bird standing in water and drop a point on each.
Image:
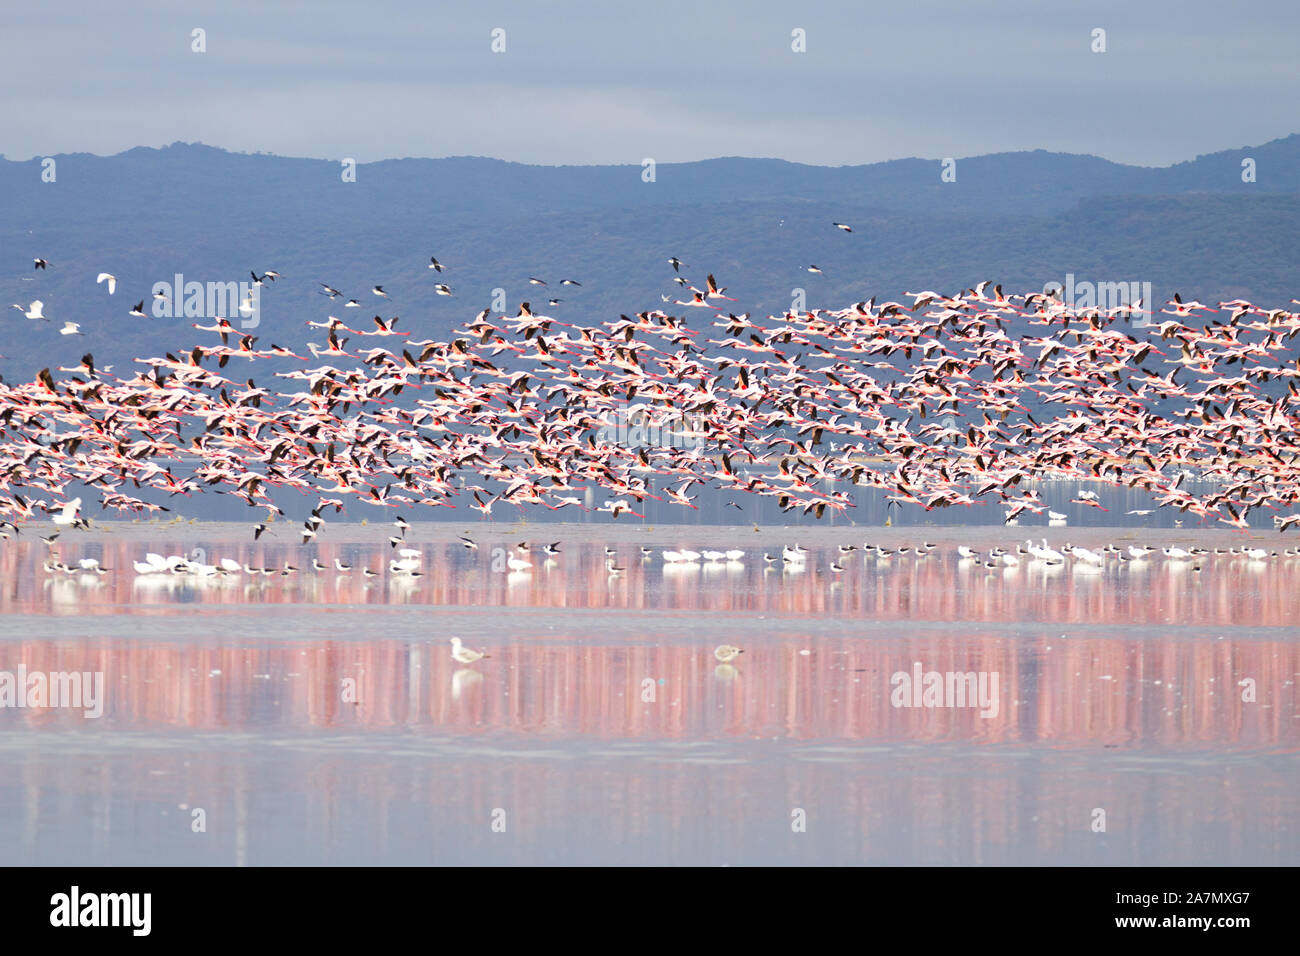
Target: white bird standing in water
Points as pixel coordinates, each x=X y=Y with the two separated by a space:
x=726 y=652
x=464 y=655
x=1045 y=553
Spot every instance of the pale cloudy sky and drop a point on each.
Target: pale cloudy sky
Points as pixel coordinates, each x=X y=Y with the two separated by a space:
x=617 y=81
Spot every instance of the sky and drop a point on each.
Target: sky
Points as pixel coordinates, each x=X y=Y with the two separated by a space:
x=617 y=82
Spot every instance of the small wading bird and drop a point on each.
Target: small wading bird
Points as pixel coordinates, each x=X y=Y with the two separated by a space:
x=464 y=655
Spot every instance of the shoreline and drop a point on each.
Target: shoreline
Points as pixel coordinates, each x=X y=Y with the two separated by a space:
x=740 y=536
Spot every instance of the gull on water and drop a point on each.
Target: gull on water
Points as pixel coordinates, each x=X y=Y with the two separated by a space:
x=464 y=655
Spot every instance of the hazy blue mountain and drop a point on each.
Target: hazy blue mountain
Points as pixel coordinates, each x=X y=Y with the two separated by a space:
x=1021 y=218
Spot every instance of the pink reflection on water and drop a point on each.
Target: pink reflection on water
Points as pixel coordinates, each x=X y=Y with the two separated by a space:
x=1076 y=692
x=1227 y=591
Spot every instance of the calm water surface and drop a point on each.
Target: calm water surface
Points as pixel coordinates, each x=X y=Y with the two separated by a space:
x=318 y=718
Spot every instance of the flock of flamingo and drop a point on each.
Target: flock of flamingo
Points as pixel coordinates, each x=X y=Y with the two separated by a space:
x=938 y=400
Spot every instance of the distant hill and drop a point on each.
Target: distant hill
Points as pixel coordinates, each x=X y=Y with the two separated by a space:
x=1022 y=218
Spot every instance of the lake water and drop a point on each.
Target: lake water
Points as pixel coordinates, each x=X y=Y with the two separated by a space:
x=318 y=718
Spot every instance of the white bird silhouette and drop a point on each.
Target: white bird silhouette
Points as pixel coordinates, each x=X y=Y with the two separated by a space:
x=69 y=513
x=464 y=655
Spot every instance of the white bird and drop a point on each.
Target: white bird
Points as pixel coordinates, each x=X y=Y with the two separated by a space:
x=152 y=564
x=726 y=652
x=518 y=564
x=464 y=655
x=69 y=513
x=1045 y=553
x=1178 y=554
x=713 y=555
x=33 y=311
x=1056 y=516
x=966 y=552
x=71 y=328
x=231 y=566
x=110 y=279
x=735 y=554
